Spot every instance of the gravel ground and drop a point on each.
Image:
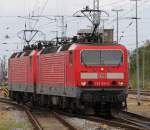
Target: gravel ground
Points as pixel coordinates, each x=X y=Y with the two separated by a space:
x=49 y=122
x=83 y=124
x=143 y=109
x=11 y=118
x=14 y=119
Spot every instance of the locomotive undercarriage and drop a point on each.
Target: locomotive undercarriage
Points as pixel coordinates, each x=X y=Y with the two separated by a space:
x=100 y=102
x=104 y=101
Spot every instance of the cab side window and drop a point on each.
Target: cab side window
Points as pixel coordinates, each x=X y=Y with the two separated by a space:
x=70 y=57
x=30 y=61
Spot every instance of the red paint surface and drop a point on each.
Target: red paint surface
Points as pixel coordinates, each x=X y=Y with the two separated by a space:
x=54 y=69
x=34 y=67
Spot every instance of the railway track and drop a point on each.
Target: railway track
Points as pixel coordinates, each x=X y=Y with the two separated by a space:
x=49 y=120
x=143 y=92
x=114 y=123
x=31 y=118
x=133 y=119
x=145 y=95
x=125 y=120
x=37 y=125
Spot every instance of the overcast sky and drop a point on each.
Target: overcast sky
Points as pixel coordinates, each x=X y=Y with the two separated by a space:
x=11 y=24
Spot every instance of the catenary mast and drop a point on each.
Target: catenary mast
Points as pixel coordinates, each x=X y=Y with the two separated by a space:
x=96 y=15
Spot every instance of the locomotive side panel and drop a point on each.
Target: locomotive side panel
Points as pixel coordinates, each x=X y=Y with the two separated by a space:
x=70 y=71
x=51 y=69
x=55 y=75
x=20 y=74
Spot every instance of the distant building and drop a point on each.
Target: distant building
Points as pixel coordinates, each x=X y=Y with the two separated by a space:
x=106 y=36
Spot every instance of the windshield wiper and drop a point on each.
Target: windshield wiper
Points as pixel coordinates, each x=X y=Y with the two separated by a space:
x=120 y=62
x=83 y=61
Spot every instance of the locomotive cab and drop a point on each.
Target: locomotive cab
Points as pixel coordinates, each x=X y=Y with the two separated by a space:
x=102 y=76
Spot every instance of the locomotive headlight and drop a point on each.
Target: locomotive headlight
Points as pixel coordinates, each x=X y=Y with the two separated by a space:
x=83 y=83
x=102 y=69
x=120 y=83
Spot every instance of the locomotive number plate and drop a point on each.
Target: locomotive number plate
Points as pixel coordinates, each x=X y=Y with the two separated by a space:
x=102 y=75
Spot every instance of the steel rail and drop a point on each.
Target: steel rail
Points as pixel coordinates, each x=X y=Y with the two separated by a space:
x=143 y=92
x=32 y=119
x=143 y=118
x=115 y=123
x=134 y=119
x=35 y=123
x=64 y=122
x=142 y=99
x=111 y=122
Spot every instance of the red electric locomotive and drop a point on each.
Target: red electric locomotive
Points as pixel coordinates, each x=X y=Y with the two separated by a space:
x=74 y=76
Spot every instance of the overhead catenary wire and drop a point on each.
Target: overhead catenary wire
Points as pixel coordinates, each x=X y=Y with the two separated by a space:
x=129 y=25
x=129 y=11
x=32 y=30
x=132 y=9
x=41 y=12
x=144 y=19
x=112 y=3
x=127 y=18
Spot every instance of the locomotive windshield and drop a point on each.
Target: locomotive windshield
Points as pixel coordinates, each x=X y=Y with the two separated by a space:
x=101 y=57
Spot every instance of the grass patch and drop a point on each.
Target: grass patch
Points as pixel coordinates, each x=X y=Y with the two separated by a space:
x=8 y=125
x=7 y=122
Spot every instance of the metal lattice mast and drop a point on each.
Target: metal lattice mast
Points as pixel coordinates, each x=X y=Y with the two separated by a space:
x=96 y=15
x=63 y=27
x=137 y=55
x=117 y=26
x=93 y=15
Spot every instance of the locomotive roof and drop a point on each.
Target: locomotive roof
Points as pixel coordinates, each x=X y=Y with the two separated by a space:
x=81 y=45
x=99 y=44
x=64 y=47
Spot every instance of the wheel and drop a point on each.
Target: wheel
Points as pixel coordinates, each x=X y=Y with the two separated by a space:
x=18 y=98
x=103 y=110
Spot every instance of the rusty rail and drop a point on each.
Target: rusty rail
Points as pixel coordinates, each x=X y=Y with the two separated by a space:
x=111 y=122
x=64 y=122
x=115 y=121
x=32 y=119
x=143 y=92
x=141 y=122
